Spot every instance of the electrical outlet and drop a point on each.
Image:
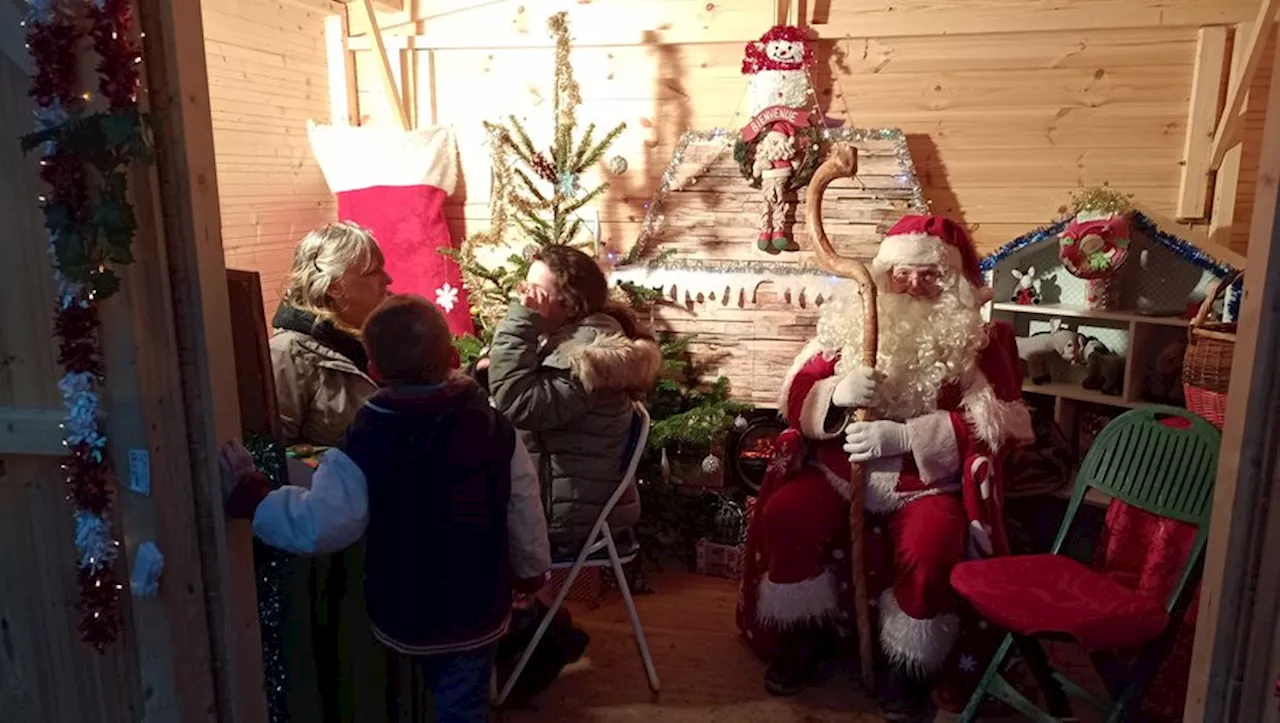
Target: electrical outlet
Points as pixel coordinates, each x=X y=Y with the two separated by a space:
x=140 y=471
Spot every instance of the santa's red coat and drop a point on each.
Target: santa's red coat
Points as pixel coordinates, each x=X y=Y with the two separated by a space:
x=977 y=419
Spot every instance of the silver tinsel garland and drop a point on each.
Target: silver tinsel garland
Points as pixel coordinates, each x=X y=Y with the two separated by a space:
x=653 y=210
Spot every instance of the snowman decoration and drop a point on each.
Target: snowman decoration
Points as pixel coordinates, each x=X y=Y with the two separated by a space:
x=778 y=150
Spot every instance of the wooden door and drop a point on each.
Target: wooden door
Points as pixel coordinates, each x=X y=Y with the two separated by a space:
x=46 y=674
x=191 y=652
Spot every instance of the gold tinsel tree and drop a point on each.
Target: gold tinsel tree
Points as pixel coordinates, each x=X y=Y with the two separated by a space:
x=537 y=192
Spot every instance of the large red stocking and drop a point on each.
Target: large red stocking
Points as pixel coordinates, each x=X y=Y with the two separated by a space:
x=395 y=184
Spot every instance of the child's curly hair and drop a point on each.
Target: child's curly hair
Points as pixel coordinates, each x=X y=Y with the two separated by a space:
x=584 y=290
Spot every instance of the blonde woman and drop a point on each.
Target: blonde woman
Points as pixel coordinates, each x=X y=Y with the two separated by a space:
x=336 y=672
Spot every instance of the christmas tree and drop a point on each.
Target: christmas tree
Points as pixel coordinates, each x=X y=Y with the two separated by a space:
x=538 y=196
x=539 y=193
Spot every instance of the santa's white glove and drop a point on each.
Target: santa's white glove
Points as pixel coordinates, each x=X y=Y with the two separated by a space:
x=867 y=441
x=857 y=389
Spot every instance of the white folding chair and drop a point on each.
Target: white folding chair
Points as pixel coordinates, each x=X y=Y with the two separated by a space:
x=600 y=539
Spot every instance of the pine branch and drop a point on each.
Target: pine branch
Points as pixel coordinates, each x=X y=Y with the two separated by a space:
x=574 y=206
x=583 y=144
x=598 y=152
x=537 y=233
x=529 y=185
x=522 y=145
x=574 y=229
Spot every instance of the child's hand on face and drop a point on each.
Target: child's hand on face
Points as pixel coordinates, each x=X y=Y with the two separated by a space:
x=537 y=300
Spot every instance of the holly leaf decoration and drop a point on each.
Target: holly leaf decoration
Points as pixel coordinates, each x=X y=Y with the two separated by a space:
x=105 y=283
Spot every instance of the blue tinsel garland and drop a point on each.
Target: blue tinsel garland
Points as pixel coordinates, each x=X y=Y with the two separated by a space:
x=1183 y=248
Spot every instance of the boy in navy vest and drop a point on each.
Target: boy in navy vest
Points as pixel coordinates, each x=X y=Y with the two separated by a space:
x=445 y=493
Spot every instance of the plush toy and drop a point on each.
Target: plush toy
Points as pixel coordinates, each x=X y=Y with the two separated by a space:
x=1026 y=293
x=1168 y=376
x=1038 y=349
x=777 y=151
x=1104 y=368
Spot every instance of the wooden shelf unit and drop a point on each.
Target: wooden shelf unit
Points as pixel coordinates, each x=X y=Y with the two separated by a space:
x=1131 y=317
x=1139 y=327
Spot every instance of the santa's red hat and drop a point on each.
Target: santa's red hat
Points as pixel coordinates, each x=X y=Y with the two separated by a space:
x=929 y=241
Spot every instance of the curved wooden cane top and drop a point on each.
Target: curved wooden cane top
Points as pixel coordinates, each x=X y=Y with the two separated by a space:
x=842 y=162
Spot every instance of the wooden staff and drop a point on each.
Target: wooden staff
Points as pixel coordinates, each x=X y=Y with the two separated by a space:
x=841 y=163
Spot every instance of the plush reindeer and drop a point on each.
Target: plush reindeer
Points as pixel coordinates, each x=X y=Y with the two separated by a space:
x=1038 y=349
x=1105 y=369
x=1026 y=292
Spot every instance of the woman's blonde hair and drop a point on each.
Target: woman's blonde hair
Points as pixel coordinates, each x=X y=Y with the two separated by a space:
x=322 y=257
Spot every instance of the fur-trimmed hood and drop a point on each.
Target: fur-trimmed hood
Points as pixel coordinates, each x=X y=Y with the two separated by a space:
x=613 y=362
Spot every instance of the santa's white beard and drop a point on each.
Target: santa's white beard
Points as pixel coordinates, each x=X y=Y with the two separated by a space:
x=923 y=344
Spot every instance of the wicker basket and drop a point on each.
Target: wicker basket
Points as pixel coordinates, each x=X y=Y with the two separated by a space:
x=1206 y=368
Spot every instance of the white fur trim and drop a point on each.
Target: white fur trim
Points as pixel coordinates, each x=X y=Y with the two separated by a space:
x=810 y=350
x=882 y=485
x=776 y=173
x=841 y=485
x=785 y=605
x=814 y=410
x=979 y=538
x=934 y=446
x=995 y=421
x=919 y=646
x=356 y=157
x=914 y=249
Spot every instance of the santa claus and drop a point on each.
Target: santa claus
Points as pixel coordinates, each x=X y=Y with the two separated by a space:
x=946 y=400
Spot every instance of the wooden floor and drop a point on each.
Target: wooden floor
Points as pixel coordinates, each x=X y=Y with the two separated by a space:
x=707 y=673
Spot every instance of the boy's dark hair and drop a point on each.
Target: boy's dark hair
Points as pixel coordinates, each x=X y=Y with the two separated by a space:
x=408 y=340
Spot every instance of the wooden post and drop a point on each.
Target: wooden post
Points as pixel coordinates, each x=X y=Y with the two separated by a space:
x=1247 y=461
x=344 y=104
x=384 y=67
x=192 y=240
x=1227 y=180
x=1202 y=114
x=1225 y=135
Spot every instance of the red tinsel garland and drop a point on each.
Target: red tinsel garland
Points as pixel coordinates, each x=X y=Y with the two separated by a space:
x=112 y=33
x=54 y=42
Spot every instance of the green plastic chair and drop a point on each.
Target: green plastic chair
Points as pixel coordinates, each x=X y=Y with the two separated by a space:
x=1167 y=471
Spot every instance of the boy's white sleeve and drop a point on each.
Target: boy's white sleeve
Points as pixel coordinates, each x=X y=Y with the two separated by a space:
x=526 y=521
x=326 y=518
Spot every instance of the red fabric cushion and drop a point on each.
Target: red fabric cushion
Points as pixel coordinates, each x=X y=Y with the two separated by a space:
x=1037 y=594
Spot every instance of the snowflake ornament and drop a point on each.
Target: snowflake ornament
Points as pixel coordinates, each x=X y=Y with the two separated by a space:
x=567 y=184
x=968 y=663
x=446 y=297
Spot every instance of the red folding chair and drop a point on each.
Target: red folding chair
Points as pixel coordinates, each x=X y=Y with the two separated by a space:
x=1159 y=459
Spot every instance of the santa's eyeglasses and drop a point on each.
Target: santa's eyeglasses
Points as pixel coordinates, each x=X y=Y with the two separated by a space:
x=920 y=276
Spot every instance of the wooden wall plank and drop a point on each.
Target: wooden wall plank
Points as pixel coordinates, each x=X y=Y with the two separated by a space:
x=268 y=75
x=1226 y=184
x=1261 y=30
x=190 y=239
x=46 y=672
x=1003 y=127
x=1202 y=115
x=513 y=24
x=1224 y=641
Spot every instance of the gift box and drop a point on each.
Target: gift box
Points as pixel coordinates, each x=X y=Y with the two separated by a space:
x=718 y=560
